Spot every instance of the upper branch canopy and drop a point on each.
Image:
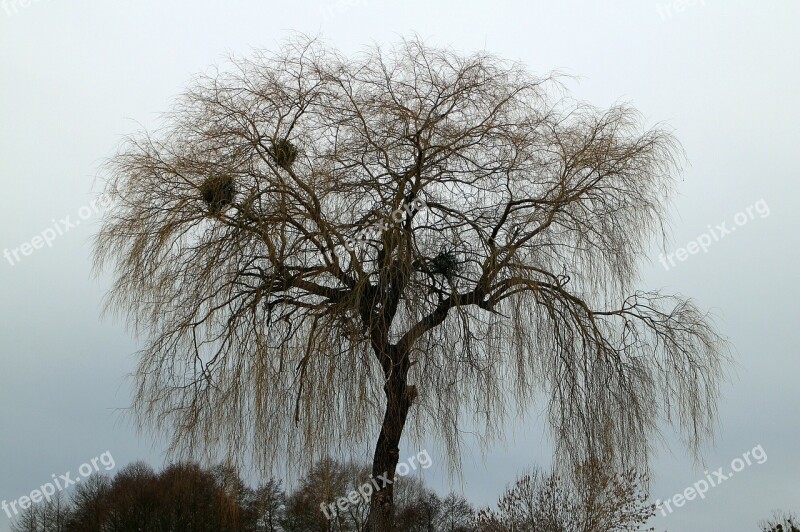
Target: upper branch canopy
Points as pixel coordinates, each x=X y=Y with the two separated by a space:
x=267 y=327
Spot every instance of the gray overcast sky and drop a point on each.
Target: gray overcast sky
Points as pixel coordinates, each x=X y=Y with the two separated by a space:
x=76 y=75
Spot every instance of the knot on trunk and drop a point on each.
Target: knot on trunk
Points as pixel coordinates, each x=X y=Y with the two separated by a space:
x=411 y=394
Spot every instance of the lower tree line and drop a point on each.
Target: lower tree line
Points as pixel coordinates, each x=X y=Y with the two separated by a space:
x=188 y=497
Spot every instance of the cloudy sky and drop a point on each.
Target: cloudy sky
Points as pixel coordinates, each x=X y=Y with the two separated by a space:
x=77 y=75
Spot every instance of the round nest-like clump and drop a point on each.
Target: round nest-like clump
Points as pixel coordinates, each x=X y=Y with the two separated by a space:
x=218 y=192
x=445 y=263
x=284 y=153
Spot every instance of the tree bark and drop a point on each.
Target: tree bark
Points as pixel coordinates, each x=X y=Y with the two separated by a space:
x=399 y=398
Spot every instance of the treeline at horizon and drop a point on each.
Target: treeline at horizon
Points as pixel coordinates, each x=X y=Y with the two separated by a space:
x=188 y=496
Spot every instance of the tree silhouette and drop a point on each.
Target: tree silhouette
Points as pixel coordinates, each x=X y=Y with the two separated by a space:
x=185 y=496
x=51 y=515
x=182 y=497
x=422 y=510
x=327 y=481
x=781 y=522
x=269 y=504
x=512 y=223
x=593 y=499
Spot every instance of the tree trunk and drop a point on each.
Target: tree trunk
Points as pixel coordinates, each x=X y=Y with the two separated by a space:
x=399 y=398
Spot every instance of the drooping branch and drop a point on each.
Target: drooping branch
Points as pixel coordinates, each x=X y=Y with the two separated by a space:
x=268 y=334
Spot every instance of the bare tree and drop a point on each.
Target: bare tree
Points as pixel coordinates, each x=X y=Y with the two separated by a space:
x=612 y=501
x=500 y=226
x=593 y=499
x=270 y=505
x=313 y=507
x=51 y=515
x=458 y=515
x=90 y=500
x=780 y=522
x=419 y=509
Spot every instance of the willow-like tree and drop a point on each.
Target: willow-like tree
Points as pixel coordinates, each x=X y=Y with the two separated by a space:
x=513 y=220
